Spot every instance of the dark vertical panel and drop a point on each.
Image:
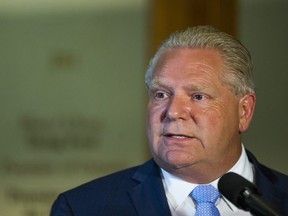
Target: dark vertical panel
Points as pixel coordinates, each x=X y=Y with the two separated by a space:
x=167 y=16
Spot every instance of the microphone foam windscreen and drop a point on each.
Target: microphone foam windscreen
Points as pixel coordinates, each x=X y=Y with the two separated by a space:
x=231 y=185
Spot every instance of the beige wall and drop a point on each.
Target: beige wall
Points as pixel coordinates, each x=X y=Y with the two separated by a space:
x=24 y=7
x=72 y=101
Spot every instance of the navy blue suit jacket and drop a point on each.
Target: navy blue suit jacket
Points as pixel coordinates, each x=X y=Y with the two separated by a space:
x=139 y=191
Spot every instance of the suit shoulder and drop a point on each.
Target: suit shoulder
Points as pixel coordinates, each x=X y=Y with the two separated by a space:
x=102 y=182
x=268 y=173
x=274 y=176
x=113 y=194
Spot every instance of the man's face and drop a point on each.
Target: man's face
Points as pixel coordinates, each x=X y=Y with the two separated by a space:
x=193 y=116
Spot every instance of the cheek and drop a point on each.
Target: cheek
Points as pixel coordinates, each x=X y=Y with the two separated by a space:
x=153 y=123
x=154 y=114
x=219 y=117
x=212 y=114
x=151 y=118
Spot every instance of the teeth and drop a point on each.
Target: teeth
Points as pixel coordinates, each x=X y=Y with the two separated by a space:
x=179 y=136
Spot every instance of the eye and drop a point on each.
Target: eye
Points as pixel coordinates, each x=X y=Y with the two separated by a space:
x=160 y=95
x=199 y=97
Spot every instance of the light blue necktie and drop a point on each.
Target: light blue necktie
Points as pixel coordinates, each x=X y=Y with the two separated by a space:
x=205 y=196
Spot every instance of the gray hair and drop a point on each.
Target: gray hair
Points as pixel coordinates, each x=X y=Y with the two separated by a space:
x=237 y=59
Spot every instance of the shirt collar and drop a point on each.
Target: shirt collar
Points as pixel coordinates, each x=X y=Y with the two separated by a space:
x=177 y=189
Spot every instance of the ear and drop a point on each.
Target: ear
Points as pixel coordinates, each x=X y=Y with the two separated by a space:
x=246 y=110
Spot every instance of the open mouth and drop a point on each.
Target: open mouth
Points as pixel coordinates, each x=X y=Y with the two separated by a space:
x=177 y=136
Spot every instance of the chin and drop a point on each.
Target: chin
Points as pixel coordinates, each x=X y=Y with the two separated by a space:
x=176 y=161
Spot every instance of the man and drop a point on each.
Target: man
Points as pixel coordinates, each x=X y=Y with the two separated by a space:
x=201 y=98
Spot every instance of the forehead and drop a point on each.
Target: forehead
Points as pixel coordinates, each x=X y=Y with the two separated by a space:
x=184 y=64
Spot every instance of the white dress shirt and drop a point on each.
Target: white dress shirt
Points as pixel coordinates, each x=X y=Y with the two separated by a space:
x=177 y=191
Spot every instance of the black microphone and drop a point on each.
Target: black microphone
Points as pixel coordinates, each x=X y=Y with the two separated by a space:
x=245 y=195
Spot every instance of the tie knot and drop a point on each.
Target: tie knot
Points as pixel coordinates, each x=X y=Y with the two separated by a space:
x=205 y=193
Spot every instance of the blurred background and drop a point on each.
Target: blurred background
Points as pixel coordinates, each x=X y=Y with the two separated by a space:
x=73 y=99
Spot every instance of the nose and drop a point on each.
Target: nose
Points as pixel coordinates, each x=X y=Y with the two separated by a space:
x=178 y=108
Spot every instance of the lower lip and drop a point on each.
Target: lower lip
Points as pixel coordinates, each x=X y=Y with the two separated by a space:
x=176 y=139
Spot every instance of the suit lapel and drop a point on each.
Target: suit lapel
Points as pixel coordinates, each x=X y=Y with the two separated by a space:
x=149 y=196
x=267 y=182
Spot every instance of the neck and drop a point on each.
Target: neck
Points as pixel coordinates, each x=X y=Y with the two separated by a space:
x=205 y=172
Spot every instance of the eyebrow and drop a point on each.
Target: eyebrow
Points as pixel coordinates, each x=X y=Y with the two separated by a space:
x=157 y=82
x=196 y=88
